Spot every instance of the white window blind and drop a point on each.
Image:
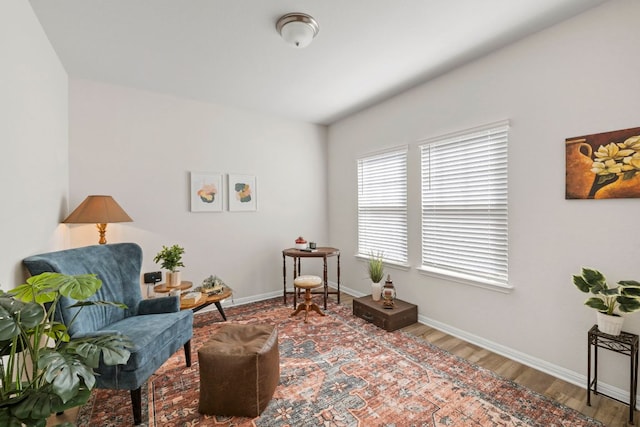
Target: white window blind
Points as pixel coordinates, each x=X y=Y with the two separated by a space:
x=382 y=205
x=464 y=205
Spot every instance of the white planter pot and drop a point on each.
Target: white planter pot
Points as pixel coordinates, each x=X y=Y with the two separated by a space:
x=376 y=290
x=611 y=325
x=173 y=278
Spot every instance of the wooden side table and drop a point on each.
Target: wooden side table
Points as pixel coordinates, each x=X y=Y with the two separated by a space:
x=204 y=302
x=163 y=288
x=297 y=255
x=626 y=344
x=207 y=301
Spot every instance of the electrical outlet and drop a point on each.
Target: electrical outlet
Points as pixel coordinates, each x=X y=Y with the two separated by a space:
x=153 y=277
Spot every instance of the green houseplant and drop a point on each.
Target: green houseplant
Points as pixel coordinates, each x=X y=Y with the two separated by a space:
x=608 y=301
x=43 y=370
x=375 y=268
x=170 y=258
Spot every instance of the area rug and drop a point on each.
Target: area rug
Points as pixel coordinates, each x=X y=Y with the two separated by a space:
x=339 y=370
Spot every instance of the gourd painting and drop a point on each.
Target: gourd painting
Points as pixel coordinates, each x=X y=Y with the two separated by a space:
x=603 y=165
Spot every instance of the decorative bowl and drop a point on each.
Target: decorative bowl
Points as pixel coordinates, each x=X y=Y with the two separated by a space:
x=301 y=245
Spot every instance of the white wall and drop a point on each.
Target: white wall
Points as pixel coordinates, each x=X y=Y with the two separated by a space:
x=33 y=141
x=573 y=79
x=139 y=147
x=577 y=78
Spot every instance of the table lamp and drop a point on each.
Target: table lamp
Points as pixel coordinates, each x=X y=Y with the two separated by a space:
x=99 y=210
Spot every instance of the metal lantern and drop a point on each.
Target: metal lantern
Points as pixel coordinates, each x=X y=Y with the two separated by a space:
x=388 y=293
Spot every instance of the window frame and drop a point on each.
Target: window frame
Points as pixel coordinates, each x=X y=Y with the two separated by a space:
x=400 y=256
x=464 y=273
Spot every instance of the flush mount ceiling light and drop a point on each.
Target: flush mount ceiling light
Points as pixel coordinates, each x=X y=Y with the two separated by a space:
x=297 y=29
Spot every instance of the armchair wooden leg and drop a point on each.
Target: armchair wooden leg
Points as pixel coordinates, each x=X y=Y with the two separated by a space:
x=187 y=353
x=136 y=403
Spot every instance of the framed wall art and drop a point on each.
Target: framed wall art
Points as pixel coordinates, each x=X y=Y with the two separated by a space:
x=603 y=165
x=242 y=191
x=206 y=192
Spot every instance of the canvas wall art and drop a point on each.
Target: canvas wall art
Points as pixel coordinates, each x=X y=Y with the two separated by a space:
x=603 y=165
x=206 y=192
x=242 y=192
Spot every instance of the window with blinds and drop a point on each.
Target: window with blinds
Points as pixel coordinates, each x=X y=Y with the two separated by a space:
x=464 y=205
x=382 y=205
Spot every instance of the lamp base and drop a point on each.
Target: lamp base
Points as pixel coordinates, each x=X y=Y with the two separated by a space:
x=102 y=229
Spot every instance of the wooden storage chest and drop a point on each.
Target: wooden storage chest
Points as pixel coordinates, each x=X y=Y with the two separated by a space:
x=403 y=314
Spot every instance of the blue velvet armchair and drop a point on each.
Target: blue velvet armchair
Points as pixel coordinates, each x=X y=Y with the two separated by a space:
x=157 y=327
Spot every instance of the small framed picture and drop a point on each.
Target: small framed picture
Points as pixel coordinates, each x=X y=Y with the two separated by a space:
x=206 y=192
x=243 y=195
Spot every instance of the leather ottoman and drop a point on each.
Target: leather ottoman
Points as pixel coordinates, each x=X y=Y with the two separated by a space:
x=239 y=370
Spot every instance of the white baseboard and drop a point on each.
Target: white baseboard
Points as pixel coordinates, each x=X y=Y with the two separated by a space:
x=349 y=291
x=564 y=374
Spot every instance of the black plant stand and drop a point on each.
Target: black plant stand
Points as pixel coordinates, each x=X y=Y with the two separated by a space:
x=626 y=344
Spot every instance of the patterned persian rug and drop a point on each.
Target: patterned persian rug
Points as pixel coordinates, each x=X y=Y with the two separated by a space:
x=339 y=370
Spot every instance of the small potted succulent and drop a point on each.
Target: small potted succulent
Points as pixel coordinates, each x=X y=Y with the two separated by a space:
x=610 y=302
x=170 y=258
x=375 y=268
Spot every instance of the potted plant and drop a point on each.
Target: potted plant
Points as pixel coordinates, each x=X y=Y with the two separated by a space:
x=43 y=370
x=170 y=259
x=375 y=268
x=609 y=301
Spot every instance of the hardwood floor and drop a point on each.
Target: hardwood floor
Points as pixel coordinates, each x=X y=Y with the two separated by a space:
x=608 y=411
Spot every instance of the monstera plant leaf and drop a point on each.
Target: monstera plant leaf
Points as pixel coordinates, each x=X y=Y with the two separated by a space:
x=11 y=346
x=64 y=373
x=81 y=286
x=16 y=315
x=8 y=420
x=37 y=405
x=44 y=287
x=114 y=349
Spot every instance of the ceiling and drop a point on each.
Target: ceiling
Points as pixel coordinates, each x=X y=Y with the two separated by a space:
x=228 y=51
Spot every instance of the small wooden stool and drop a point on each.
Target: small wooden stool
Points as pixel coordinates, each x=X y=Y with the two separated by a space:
x=307 y=283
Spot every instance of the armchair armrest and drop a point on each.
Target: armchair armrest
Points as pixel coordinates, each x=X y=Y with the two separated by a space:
x=159 y=305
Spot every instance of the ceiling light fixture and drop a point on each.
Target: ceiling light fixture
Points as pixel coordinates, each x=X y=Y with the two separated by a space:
x=297 y=29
